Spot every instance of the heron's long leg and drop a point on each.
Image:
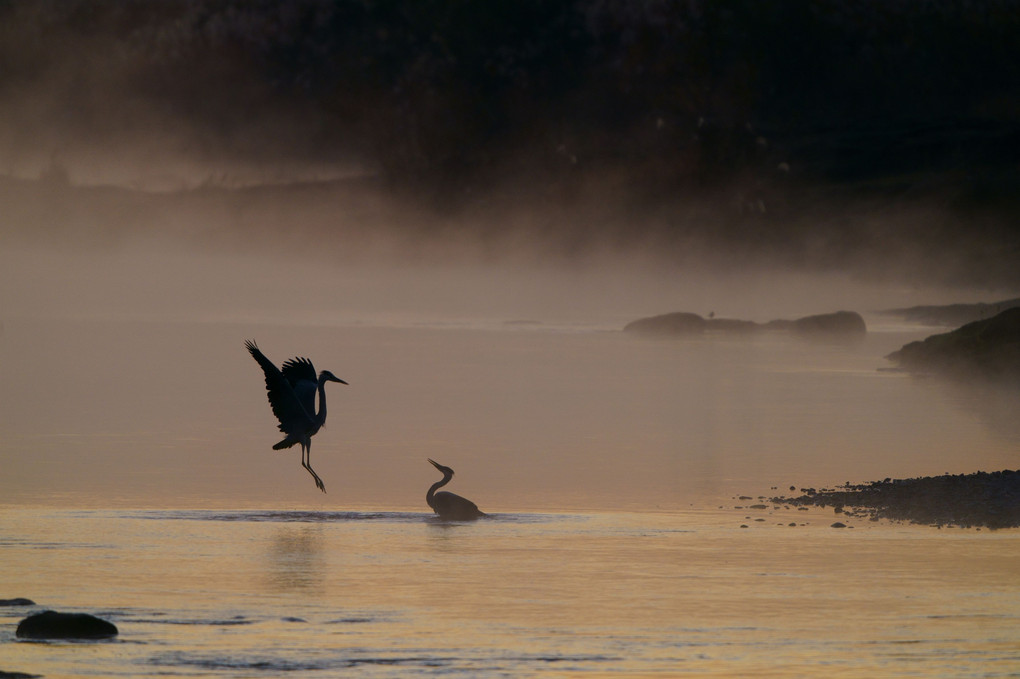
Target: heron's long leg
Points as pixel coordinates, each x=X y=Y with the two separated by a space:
x=306 y=462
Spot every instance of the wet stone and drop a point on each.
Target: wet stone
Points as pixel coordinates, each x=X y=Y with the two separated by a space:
x=55 y=625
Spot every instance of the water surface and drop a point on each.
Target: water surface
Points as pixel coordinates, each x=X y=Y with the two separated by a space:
x=390 y=594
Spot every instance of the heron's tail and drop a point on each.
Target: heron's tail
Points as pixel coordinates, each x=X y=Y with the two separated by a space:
x=285 y=443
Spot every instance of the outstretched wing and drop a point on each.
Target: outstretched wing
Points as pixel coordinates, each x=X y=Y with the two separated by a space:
x=300 y=373
x=287 y=407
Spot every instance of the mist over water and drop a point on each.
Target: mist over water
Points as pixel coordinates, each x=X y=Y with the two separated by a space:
x=126 y=383
x=497 y=351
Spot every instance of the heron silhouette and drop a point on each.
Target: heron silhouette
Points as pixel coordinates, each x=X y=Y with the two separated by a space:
x=449 y=506
x=291 y=391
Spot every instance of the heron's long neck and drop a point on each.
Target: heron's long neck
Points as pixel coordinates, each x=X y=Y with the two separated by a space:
x=320 y=416
x=436 y=486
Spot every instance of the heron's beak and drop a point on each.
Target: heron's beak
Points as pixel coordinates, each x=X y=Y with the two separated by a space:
x=337 y=379
x=434 y=463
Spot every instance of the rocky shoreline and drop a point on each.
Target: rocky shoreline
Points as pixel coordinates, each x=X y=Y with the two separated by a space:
x=981 y=499
x=988 y=348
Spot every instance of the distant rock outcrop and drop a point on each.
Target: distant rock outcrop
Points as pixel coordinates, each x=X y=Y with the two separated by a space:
x=55 y=625
x=840 y=324
x=988 y=348
x=953 y=315
x=17 y=601
x=676 y=323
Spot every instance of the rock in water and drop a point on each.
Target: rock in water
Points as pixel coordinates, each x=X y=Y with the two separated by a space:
x=676 y=323
x=54 y=625
x=842 y=323
x=18 y=601
x=839 y=324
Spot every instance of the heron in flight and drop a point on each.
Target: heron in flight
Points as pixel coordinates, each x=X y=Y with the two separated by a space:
x=291 y=390
x=447 y=505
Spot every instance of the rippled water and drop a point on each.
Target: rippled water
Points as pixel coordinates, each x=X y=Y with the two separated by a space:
x=394 y=594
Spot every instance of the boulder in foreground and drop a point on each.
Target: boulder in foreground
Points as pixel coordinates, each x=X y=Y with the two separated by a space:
x=55 y=625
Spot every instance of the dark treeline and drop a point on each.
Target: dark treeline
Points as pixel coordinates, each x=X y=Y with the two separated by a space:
x=676 y=96
x=439 y=89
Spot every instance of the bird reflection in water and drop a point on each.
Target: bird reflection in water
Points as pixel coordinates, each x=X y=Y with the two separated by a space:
x=295 y=559
x=448 y=506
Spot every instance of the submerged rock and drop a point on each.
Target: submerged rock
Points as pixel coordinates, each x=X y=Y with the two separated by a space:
x=17 y=601
x=55 y=625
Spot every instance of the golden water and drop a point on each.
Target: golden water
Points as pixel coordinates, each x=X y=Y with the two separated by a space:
x=242 y=594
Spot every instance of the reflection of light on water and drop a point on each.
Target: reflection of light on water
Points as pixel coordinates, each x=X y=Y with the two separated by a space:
x=295 y=559
x=611 y=594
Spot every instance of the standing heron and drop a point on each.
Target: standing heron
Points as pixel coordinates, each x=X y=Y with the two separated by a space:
x=448 y=505
x=291 y=390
